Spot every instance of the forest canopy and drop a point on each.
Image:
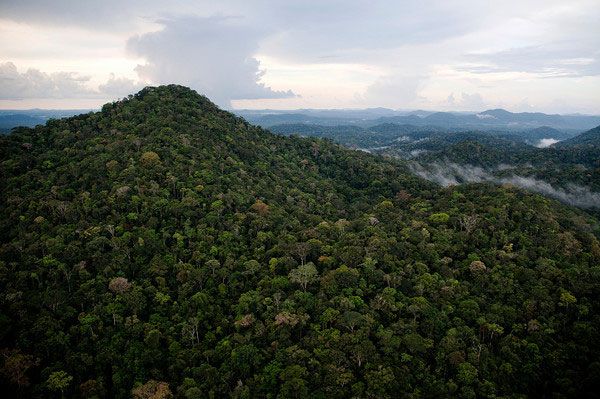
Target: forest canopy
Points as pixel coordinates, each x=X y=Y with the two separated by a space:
x=163 y=247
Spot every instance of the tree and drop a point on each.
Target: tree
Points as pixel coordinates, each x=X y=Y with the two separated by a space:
x=566 y=299
x=15 y=367
x=152 y=390
x=302 y=249
x=293 y=382
x=119 y=285
x=439 y=218
x=467 y=373
x=149 y=158
x=260 y=208
x=304 y=275
x=468 y=222
x=59 y=381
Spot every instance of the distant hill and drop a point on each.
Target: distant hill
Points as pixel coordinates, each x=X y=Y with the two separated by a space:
x=8 y=121
x=545 y=132
x=589 y=138
x=30 y=118
x=352 y=135
x=489 y=120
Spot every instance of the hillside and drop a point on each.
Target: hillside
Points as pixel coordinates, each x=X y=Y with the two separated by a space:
x=568 y=171
x=591 y=138
x=163 y=247
x=545 y=132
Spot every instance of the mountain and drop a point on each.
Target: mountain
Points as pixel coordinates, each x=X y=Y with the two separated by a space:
x=445 y=118
x=162 y=247
x=591 y=138
x=8 y=121
x=489 y=120
x=523 y=117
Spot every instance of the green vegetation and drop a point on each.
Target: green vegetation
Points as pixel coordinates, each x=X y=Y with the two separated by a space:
x=574 y=161
x=165 y=248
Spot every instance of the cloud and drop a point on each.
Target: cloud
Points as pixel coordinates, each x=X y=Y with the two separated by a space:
x=543 y=143
x=450 y=173
x=548 y=60
x=118 y=87
x=355 y=30
x=394 y=90
x=212 y=55
x=301 y=42
x=467 y=101
x=35 y=84
x=106 y=15
x=308 y=28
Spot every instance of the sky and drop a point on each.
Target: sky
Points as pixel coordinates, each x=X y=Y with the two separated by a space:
x=461 y=55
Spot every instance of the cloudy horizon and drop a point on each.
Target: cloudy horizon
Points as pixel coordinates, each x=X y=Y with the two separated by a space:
x=465 y=56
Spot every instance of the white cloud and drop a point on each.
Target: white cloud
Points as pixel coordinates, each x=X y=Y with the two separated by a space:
x=543 y=143
x=119 y=87
x=468 y=102
x=212 y=55
x=35 y=84
x=394 y=91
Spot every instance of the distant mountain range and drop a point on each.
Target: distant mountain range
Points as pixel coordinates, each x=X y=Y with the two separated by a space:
x=33 y=117
x=495 y=119
x=486 y=120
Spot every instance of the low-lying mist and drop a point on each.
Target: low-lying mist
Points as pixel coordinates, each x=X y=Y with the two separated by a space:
x=450 y=173
x=545 y=143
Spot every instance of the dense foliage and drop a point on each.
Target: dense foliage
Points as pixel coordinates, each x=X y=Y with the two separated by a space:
x=574 y=161
x=163 y=247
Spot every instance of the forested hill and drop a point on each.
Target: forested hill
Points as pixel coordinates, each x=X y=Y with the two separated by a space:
x=165 y=248
x=590 y=138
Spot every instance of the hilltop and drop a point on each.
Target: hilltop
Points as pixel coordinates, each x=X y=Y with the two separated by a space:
x=163 y=246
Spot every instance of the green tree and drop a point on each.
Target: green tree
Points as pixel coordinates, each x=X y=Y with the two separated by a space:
x=304 y=275
x=59 y=381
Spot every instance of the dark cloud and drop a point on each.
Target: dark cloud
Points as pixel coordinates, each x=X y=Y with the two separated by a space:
x=104 y=15
x=320 y=30
x=212 y=55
